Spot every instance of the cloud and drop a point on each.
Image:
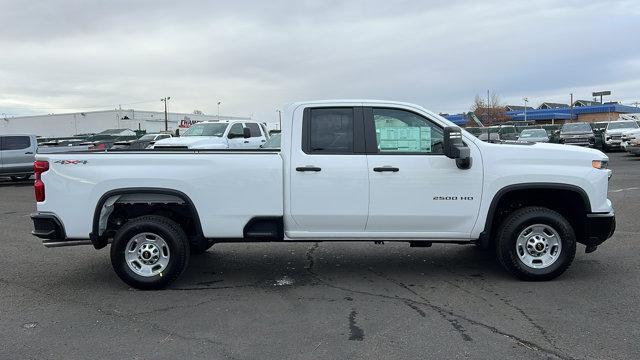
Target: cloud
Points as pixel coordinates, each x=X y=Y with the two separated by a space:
x=254 y=56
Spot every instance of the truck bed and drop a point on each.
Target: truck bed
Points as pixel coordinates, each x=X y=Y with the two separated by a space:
x=248 y=183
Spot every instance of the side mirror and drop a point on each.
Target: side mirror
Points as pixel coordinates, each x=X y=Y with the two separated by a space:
x=246 y=133
x=454 y=147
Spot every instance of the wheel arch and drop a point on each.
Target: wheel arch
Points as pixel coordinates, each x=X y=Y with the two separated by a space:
x=99 y=240
x=517 y=191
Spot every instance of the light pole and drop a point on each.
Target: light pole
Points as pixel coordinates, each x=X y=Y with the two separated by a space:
x=571 y=107
x=526 y=100
x=219 y=102
x=166 y=119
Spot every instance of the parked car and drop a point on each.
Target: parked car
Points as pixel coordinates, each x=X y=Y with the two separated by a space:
x=534 y=135
x=352 y=170
x=143 y=142
x=17 y=153
x=633 y=147
x=232 y=134
x=613 y=133
x=104 y=140
x=578 y=133
x=628 y=136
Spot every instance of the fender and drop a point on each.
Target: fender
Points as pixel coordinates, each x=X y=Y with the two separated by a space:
x=485 y=235
x=101 y=241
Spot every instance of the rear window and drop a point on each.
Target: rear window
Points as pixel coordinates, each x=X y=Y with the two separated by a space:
x=14 y=142
x=331 y=130
x=254 y=129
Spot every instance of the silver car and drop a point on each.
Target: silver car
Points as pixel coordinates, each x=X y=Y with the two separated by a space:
x=17 y=153
x=534 y=135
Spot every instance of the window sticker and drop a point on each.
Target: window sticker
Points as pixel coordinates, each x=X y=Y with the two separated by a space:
x=404 y=139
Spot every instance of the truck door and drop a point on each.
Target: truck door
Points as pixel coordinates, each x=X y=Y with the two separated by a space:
x=17 y=154
x=329 y=185
x=235 y=138
x=256 y=138
x=415 y=190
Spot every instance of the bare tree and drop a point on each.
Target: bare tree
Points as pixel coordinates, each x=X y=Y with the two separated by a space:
x=198 y=112
x=490 y=112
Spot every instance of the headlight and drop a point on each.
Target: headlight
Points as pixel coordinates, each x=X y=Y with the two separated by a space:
x=600 y=164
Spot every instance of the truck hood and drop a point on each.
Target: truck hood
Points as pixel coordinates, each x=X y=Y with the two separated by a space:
x=545 y=150
x=617 y=131
x=194 y=142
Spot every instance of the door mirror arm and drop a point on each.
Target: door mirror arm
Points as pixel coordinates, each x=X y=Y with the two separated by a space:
x=454 y=147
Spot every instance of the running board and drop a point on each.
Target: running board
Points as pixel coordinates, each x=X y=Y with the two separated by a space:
x=53 y=244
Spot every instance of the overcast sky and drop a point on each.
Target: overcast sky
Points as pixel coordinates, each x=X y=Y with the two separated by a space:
x=254 y=56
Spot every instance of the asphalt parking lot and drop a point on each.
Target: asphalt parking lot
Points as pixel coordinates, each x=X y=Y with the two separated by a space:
x=321 y=300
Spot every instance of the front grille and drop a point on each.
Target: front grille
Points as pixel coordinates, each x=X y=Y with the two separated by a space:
x=576 y=140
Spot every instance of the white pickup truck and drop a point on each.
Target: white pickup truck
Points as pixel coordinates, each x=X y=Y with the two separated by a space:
x=349 y=170
x=217 y=135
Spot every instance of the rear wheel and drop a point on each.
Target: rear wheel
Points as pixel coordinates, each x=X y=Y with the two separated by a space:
x=536 y=243
x=149 y=252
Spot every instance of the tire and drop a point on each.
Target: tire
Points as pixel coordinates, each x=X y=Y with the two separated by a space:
x=149 y=252
x=21 y=178
x=525 y=244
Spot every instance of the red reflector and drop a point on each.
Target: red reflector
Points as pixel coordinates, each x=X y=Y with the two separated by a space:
x=38 y=186
x=38 y=168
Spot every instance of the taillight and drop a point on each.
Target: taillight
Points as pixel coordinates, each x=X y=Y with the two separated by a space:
x=38 y=168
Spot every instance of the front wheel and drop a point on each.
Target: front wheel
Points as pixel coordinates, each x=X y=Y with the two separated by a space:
x=536 y=244
x=149 y=252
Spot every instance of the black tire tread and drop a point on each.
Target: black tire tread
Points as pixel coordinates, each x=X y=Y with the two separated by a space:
x=504 y=243
x=182 y=257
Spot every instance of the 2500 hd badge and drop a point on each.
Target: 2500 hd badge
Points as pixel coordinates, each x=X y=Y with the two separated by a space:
x=453 y=198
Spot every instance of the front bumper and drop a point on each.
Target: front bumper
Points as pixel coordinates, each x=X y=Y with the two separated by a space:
x=49 y=228
x=598 y=228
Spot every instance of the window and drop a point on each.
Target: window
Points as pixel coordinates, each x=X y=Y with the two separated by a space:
x=206 y=129
x=406 y=132
x=15 y=142
x=236 y=129
x=254 y=129
x=331 y=131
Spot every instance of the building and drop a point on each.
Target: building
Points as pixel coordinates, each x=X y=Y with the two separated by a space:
x=583 y=110
x=88 y=122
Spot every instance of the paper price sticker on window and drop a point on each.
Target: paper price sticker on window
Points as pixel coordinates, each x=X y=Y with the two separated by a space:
x=404 y=139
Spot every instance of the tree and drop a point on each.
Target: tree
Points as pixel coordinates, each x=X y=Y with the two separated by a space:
x=489 y=113
x=198 y=112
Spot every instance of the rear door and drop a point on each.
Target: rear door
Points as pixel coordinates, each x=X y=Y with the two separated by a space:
x=329 y=185
x=17 y=154
x=415 y=190
x=257 y=138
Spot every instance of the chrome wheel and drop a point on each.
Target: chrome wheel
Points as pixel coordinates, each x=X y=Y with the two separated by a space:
x=147 y=254
x=538 y=246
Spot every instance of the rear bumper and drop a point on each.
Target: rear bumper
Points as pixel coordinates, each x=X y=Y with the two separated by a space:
x=598 y=228
x=48 y=227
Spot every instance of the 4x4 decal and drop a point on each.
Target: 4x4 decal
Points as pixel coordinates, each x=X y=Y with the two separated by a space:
x=71 y=162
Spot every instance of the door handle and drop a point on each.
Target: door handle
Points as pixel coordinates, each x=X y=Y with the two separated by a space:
x=263 y=140
x=29 y=153
x=308 y=168
x=386 y=168
x=246 y=141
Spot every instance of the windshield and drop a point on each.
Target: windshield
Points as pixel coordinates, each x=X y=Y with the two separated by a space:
x=578 y=127
x=206 y=129
x=529 y=133
x=273 y=142
x=147 y=137
x=622 y=125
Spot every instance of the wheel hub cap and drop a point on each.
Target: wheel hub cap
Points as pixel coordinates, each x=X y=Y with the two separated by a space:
x=147 y=254
x=538 y=246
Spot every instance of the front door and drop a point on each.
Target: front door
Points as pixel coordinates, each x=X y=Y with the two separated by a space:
x=329 y=185
x=235 y=137
x=415 y=190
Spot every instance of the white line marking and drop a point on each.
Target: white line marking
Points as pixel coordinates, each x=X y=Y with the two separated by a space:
x=619 y=190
